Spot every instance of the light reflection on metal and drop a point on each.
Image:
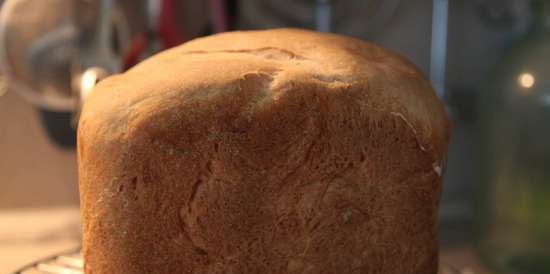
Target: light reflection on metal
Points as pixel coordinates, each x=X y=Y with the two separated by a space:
x=57 y=269
x=88 y=81
x=322 y=15
x=439 y=46
x=74 y=262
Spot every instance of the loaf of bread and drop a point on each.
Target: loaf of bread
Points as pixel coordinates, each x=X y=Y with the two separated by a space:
x=272 y=152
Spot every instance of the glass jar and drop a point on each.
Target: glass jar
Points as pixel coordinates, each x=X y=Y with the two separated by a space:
x=513 y=218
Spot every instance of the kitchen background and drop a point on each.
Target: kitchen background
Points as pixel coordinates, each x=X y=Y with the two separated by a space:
x=38 y=178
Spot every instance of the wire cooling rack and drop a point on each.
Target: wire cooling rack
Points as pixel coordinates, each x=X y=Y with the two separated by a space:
x=71 y=262
x=68 y=262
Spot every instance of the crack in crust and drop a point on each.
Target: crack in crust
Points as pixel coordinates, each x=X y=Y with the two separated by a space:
x=272 y=53
x=409 y=124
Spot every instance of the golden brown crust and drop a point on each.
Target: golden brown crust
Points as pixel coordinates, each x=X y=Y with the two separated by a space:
x=280 y=151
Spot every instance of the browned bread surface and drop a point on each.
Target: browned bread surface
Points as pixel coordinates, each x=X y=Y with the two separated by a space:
x=279 y=151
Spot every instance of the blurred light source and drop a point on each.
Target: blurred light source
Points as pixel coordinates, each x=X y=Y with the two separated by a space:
x=526 y=80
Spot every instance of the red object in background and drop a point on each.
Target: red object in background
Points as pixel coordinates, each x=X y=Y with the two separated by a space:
x=137 y=47
x=218 y=9
x=170 y=34
x=169 y=31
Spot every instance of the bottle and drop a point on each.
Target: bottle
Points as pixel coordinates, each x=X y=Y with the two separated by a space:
x=513 y=201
